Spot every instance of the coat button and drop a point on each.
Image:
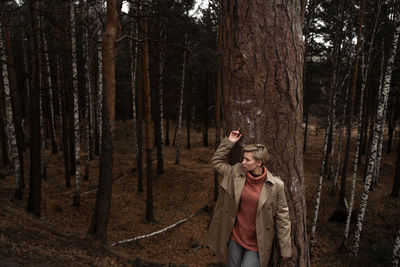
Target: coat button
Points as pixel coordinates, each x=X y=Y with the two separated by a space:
x=267 y=227
x=269 y=207
x=226 y=210
x=269 y=249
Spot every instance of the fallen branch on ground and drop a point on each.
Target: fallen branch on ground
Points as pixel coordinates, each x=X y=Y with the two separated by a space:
x=159 y=231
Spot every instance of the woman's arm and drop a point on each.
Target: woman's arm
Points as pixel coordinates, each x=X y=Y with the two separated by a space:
x=218 y=160
x=282 y=221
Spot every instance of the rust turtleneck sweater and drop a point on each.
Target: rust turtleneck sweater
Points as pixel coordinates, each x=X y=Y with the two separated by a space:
x=244 y=231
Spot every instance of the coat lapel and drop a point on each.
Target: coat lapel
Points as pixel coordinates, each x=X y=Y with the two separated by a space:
x=266 y=191
x=238 y=184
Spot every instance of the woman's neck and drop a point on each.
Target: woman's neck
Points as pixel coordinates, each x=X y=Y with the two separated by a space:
x=257 y=171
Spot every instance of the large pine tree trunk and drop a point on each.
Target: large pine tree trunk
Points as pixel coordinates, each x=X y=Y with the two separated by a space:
x=380 y=120
x=262 y=72
x=34 y=198
x=11 y=132
x=75 y=110
x=98 y=226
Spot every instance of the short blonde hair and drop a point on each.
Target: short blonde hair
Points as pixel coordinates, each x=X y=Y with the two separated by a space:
x=259 y=151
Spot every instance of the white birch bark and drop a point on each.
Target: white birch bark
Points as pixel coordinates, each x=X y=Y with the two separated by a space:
x=331 y=115
x=364 y=75
x=48 y=76
x=76 y=108
x=179 y=129
x=374 y=144
x=396 y=250
x=133 y=53
x=10 y=130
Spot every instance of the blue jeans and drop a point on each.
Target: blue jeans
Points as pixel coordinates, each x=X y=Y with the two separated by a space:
x=238 y=256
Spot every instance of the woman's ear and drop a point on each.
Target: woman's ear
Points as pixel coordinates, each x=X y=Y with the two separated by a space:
x=259 y=163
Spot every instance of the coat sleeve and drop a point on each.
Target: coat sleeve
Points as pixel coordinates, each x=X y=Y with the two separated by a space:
x=219 y=157
x=282 y=221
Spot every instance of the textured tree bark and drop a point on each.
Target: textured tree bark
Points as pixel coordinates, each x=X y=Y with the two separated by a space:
x=11 y=131
x=205 y=111
x=16 y=106
x=76 y=110
x=35 y=182
x=98 y=227
x=100 y=88
x=262 y=69
x=396 y=250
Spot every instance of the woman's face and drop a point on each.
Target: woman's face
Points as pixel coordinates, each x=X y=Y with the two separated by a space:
x=249 y=162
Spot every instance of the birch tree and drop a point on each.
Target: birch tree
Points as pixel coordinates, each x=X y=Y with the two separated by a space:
x=10 y=130
x=396 y=250
x=380 y=119
x=366 y=71
x=180 y=114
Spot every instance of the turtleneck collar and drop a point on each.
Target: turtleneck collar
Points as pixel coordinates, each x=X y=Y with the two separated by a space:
x=257 y=179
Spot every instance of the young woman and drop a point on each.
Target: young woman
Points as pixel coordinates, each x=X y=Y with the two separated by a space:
x=251 y=208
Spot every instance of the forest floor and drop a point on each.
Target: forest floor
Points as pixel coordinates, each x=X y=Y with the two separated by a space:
x=58 y=237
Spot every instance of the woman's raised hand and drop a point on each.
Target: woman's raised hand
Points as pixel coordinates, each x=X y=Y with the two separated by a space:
x=234 y=136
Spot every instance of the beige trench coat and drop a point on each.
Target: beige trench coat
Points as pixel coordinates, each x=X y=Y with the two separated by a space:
x=272 y=210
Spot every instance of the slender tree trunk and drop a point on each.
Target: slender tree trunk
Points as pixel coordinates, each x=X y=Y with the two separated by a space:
x=396 y=250
x=342 y=195
x=160 y=152
x=88 y=84
x=270 y=110
x=50 y=86
x=380 y=119
x=134 y=64
x=98 y=226
x=306 y=130
x=166 y=129
x=365 y=76
x=139 y=101
x=16 y=107
x=76 y=110
x=396 y=180
x=99 y=89
x=147 y=118
x=3 y=137
x=180 y=115
x=11 y=133
x=34 y=198
x=205 y=111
